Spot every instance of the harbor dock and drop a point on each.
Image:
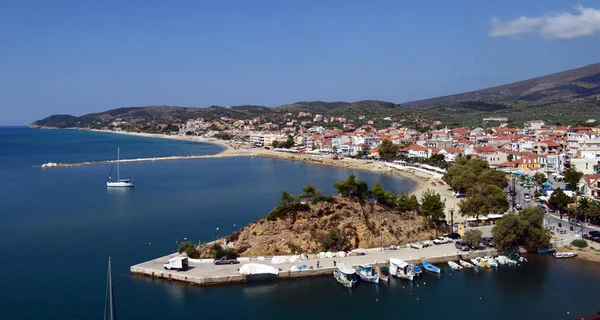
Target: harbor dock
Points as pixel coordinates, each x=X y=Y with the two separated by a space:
x=204 y=272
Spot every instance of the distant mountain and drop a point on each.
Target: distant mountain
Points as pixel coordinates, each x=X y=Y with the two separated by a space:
x=338 y=108
x=570 y=96
x=150 y=114
x=563 y=86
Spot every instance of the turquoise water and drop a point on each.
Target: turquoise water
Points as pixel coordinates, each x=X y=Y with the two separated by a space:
x=59 y=225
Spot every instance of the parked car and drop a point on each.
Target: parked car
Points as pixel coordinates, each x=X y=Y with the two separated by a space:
x=594 y=233
x=459 y=194
x=526 y=196
x=518 y=206
x=453 y=235
x=487 y=241
x=226 y=260
x=461 y=245
x=543 y=207
x=416 y=245
x=442 y=240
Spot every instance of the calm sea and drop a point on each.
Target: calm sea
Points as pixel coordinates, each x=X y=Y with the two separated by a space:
x=58 y=226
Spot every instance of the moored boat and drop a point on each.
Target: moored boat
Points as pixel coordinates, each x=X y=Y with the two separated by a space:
x=454 y=265
x=479 y=262
x=431 y=268
x=384 y=274
x=417 y=271
x=366 y=273
x=402 y=269
x=506 y=260
x=491 y=261
x=564 y=255
x=545 y=251
x=466 y=264
x=128 y=183
x=345 y=275
x=515 y=256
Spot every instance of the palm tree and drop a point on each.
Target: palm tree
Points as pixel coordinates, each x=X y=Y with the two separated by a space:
x=584 y=207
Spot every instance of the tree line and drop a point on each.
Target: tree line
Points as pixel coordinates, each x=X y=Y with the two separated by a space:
x=430 y=205
x=481 y=185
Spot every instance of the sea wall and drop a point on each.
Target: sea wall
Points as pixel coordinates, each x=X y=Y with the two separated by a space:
x=210 y=276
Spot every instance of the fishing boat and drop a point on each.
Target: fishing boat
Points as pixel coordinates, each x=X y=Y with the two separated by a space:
x=345 y=275
x=431 y=268
x=384 y=274
x=479 y=262
x=545 y=251
x=417 y=271
x=564 y=255
x=466 y=264
x=515 y=256
x=110 y=311
x=402 y=269
x=119 y=182
x=491 y=261
x=366 y=273
x=454 y=265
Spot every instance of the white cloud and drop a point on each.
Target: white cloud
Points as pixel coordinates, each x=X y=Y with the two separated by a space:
x=562 y=26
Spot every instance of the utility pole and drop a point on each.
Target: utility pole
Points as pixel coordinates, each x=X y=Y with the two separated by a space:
x=452 y=220
x=513 y=192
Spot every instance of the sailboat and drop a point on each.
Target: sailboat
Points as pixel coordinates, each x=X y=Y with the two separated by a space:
x=110 y=311
x=120 y=182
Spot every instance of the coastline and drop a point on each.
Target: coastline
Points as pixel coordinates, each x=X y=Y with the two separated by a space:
x=422 y=181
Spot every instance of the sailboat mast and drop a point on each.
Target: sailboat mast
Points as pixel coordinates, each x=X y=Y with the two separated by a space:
x=118 y=163
x=111 y=306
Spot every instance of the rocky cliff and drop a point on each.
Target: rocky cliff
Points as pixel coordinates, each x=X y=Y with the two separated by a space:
x=338 y=224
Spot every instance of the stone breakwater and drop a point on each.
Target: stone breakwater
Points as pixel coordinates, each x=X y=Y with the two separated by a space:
x=85 y=163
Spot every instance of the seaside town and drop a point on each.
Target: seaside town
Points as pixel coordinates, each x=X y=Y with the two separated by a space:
x=534 y=147
x=549 y=167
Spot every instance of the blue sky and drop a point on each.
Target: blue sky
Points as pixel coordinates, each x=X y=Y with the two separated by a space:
x=77 y=57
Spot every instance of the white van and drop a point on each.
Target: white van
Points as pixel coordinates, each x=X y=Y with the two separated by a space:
x=177 y=263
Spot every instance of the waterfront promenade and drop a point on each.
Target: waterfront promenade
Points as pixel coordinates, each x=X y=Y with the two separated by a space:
x=204 y=272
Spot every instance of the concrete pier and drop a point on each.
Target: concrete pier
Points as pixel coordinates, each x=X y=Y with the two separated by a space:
x=204 y=272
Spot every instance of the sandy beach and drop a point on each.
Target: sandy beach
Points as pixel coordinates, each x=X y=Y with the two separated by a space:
x=231 y=149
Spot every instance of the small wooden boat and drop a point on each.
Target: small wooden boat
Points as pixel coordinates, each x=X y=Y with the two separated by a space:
x=564 y=255
x=479 y=262
x=549 y=250
x=417 y=271
x=366 y=273
x=506 y=260
x=431 y=268
x=515 y=256
x=345 y=275
x=384 y=274
x=491 y=261
x=454 y=265
x=466 y=264
x=402 y=269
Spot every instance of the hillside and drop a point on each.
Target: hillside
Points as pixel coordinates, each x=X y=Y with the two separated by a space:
x=144 y=117
x=338 y=224
x=571 y=96
x=562 y=86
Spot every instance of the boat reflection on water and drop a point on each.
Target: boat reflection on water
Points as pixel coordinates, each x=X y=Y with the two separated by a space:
x=119 y=194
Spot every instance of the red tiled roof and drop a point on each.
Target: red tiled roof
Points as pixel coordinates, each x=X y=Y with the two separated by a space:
x=486 y=149
x=454 y=150
x=591 y=178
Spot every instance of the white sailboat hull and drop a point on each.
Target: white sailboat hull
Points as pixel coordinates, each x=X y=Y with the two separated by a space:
x=122 y=184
